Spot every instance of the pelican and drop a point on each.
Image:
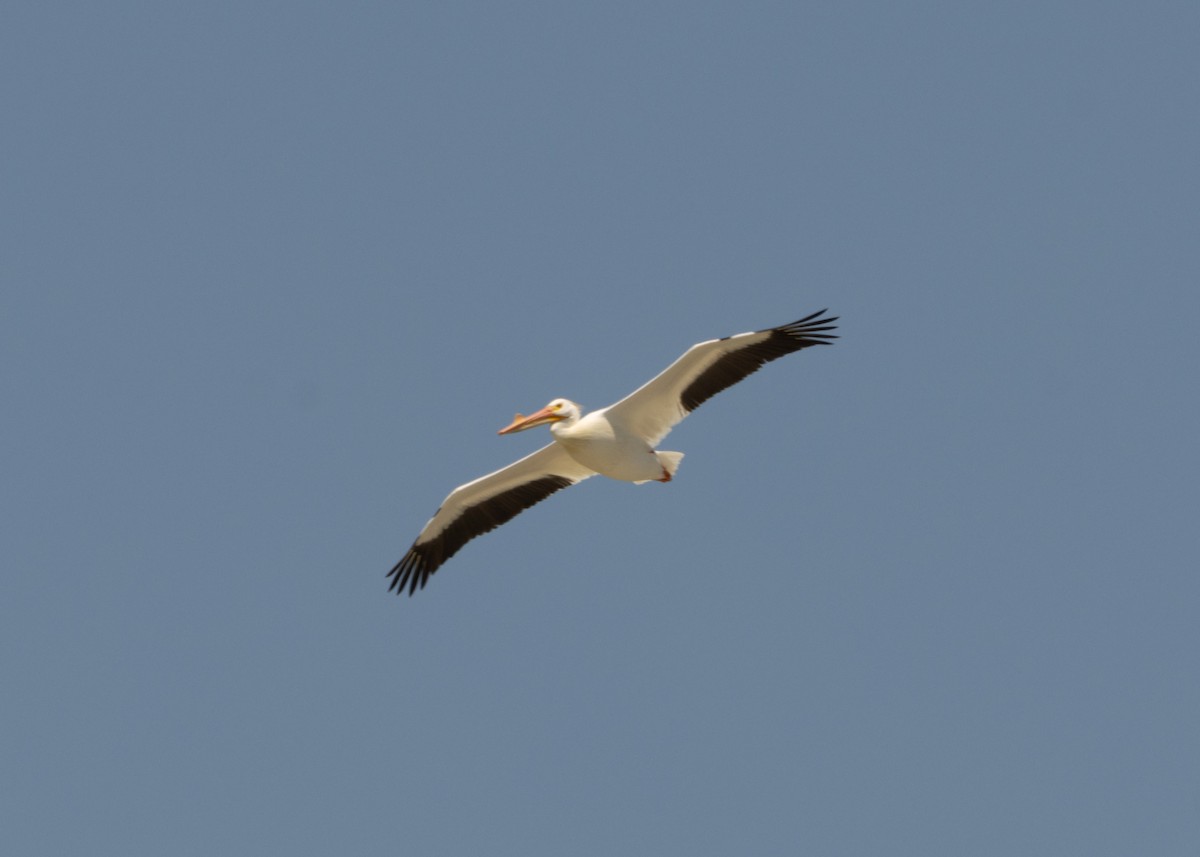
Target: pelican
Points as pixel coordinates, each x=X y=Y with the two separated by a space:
x=618 y=441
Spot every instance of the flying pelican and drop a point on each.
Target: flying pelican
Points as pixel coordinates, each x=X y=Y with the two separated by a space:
x=618 y=441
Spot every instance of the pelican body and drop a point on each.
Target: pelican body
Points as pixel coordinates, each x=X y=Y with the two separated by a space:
x=618 y=441
x=602 y=442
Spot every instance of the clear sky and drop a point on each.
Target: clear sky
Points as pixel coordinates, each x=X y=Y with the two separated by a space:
x=273 y=274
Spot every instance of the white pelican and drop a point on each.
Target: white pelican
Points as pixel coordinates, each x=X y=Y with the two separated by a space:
x=618 y=441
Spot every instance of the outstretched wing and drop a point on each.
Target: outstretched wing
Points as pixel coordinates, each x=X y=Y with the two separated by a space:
x=707 y=368
x=482 y=505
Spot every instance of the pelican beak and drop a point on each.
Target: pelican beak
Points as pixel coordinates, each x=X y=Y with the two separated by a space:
x=520 y=423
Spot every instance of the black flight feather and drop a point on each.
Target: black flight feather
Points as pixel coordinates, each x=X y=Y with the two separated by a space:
x=730 y=368
x=424 y=558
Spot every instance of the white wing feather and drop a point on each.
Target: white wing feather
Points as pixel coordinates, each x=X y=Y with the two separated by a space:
x=550 y=460
x=705 y=369
x=654 y=408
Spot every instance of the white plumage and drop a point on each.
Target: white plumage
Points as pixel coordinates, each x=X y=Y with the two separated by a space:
x=618 y=441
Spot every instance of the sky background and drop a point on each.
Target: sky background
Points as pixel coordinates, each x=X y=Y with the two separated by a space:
x=273 y=274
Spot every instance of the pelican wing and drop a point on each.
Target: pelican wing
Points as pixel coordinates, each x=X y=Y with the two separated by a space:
x=482 y=505
x=707 y=368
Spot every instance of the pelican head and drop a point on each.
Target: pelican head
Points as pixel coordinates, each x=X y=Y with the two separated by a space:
x=555 y=412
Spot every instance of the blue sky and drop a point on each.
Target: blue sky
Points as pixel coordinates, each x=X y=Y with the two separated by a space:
x=274 y=275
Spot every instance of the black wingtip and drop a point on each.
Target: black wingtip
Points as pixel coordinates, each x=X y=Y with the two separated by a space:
x=810 y=330
x=409 y=573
